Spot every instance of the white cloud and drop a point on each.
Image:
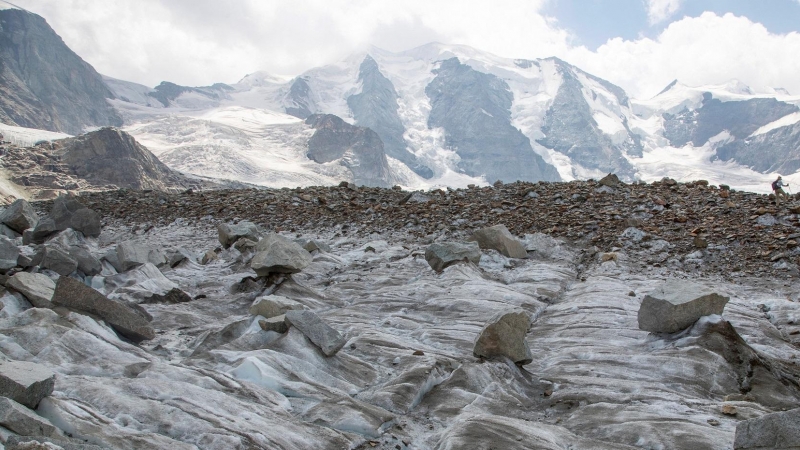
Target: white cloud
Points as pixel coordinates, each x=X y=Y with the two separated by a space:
x=198 y=42
x=661 y=10
x=709 y=49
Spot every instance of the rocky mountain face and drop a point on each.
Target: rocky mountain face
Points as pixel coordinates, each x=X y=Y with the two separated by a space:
x=375 y=107
x=43 y=83
x=739 y=118
x=570 y=128
x=777 y=150
x=167 y=92
x=607 y=316
x=106 y=159
x=357 y=148
x=473 y=108
x=297 y=101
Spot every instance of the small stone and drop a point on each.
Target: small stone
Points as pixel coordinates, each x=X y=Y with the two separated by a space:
x=317 y=331
x=418 y=353
x=504 y=335
x=728 y=410
x=276 y=324
x=713 y=422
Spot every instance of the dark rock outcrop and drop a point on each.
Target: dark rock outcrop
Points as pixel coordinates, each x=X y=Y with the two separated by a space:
x=569 y=127
x=474 y=109
x=298 y=101
x=167 y=92
x=375 y=107
x=777 y=150
x=359 y=149
x=739 y=118
x=44 y=84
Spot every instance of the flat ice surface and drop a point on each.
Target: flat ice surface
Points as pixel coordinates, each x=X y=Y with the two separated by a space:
x=212 y=379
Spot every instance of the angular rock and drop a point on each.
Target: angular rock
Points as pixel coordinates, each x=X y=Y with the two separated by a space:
x=67 y=212
x=36 y=287
x=504 y=335
x=133 y=254
x=58 y=261
x=26 y=382
x=610 y=180
x=175 y=256
x=229 y=233
x=244 y=245
x=277 y=254
x=76 y=295
x=19 y=216
x=499 y=238
x=273 y=305
x=23 y=421
x=771 y=431
x=441 y=255
x=678 y=304
x=317 y=331
x=9 y=253
x=87 y=263
x=26 y=442
x=8 y=232
x=276 y=324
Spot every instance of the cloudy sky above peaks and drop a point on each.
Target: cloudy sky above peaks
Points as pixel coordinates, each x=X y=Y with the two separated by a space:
x=641 y=45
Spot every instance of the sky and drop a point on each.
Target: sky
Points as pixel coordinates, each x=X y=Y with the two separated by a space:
x=640 y=45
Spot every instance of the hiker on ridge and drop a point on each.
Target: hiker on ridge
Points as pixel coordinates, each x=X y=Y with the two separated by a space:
x=777 y=186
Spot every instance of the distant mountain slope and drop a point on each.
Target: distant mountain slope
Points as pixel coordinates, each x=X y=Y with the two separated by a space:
x=44 y=84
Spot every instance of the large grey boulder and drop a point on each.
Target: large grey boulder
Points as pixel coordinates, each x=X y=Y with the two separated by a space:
x=19 y=216
x=277 y=254
x=75 y=295
x=9 y=253
x=87 y=263
x=273 y=305
x=132 y=254
x=499 y=238
x=22 y=420
x=229 y=233
x=678 y=304
x=771 y=431
x=504 y=335
x=67 y=212
x=36 y=287
x=26 y=382
x=58 y=261
x=441 y=255
x=317 y=331
x=276 y=324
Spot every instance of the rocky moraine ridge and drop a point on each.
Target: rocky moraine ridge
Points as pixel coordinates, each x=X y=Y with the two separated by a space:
x=583 y=315
x=686 y=226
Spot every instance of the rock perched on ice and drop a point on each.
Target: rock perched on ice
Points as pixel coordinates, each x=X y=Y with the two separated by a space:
x=75 y=295
x=277 y=254
x=610 y=180
x=176 y=256
x=87 y=263
x=45 y=443
x=677 y=305
x=67 y=212
x=317 y=331
x=133 y=254
x=58 y=261
x=276 y=324
x=19 y=216
x=441 y=255
x=22 y=420
x=229 y=233
x=26 y=382
x=37 y=288
x=312 y=245
x=9 y=253
x=771 y=431
x=499 y=238
x=504 y=335
x=273 y=305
